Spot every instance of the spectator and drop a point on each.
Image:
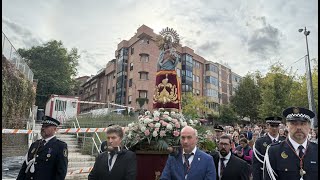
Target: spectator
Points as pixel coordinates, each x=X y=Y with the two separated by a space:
x=244 y=151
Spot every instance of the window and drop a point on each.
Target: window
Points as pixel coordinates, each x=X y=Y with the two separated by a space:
x=130 y=82
x=132 y=50
x=108 y=92
x=129 y=99
x=131 y=66
x=212 y=80
x=113 y=89
x=144 y=57
x=211 y=93
x=60 y=105
x=143 y=94
x=197 y=79
x=144 y=75
x=211 y=67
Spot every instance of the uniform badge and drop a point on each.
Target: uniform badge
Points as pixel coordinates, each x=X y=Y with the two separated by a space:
x=65 y=152
x=284 y=155
x=296 y=110
x=32 y=151
x=265 y=144
x=48 y=155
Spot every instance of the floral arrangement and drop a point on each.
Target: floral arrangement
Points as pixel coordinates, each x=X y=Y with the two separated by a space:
x=158 y=130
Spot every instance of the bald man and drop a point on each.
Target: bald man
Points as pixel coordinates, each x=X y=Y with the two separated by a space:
x=191 y=163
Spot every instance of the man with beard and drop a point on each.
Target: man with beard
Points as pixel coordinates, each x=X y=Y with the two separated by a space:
x=296 y=157
x=47 y=158
x=260 y=146
x=117 y=163
x=228 y=166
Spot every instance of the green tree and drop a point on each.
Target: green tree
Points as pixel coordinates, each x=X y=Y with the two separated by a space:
x=275 y=91
x=54 y=67
x=193 y=106
x=247 y=97
x=227 y=115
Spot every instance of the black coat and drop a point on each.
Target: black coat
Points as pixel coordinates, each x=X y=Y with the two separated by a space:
x=261 y=146
x=124 y=168
x=51 y=161
x=285 y=162
x=236 y=168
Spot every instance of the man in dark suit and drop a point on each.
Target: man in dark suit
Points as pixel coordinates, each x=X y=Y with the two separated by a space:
x=190 y=162
x=296 y=157
x=260 y=146
x=47 y=158
x=228 y=166
x=117 y=163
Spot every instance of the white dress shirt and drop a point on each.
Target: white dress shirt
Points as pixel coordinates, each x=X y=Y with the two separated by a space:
x=227 y=157
x=296 y=145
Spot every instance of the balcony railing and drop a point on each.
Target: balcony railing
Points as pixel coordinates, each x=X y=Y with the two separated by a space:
x=11 y=54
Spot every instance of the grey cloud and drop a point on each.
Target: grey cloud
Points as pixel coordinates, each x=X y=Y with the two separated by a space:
x=209 y=46
x=264 y=41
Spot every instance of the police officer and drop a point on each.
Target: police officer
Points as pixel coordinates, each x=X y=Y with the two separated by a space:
x=260 y=146
x=47 y=158
x=296 y=157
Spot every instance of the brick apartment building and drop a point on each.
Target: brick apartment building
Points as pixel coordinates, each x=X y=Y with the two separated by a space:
x=130 y=78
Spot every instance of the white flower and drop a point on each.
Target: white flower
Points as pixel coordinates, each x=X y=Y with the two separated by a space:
x=156 y=113
x=166 y=112
x=195 y=121
x=157 y=125
x=183 y=124
x=155 y=134
x=173 y=113
x=169 y=126
x=169 y=118
x=190 y=121
x=143 y=128
x=130 y=125
x=147 y=113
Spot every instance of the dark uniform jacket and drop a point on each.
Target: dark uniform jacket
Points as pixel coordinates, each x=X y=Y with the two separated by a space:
x=51 y=161
x=103 y=147
x=261 y=146
x=124 y=168
x=236 y=169
x=286 y=163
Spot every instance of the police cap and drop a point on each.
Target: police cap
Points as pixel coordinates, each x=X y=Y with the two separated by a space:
x=48 y=121
x=273 y=120
x=298 y=114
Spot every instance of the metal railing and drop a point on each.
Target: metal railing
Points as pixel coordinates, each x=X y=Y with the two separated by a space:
x=11 y=54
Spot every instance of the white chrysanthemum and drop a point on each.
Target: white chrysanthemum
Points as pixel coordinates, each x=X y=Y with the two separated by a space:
x=155 y=134
x=190 y=121
x=169 y=118
x=173 y=113
x=143 y=128
x=130 y=125
x=157 y=125
x=169 y=126
x=183 y=124
x=147 y=113
x=156 y=113
x=195 y=121
x=166 y=112
x=147 y=120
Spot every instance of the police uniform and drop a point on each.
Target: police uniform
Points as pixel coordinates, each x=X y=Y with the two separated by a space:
x=259 y=149
x=45 y=160
x=282 y=161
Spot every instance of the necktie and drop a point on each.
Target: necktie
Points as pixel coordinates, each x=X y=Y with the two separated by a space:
x=274 y=141
x=186 y=162
x=42 y=143
x=110 y=160
x=300 y=151
x=222 y=166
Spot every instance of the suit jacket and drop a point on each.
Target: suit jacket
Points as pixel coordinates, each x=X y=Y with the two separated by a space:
x=201 y=168
x=103 y=147
x=124 y=168
x=51 y=161
x=285 y=162
x=261 y=146
x=236 y=168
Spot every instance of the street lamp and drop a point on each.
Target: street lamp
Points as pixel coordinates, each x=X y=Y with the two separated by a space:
x=312 y=106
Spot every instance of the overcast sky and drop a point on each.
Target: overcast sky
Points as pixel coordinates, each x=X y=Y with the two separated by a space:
x=248 y=35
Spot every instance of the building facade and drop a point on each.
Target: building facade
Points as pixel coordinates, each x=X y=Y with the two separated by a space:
x=129 y=79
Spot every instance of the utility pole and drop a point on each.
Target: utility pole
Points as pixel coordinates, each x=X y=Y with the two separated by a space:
x=312 y=106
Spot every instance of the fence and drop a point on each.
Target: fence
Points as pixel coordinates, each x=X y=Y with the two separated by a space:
x=11 y=54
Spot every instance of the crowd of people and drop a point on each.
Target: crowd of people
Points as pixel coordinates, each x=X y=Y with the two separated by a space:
x=273 y=151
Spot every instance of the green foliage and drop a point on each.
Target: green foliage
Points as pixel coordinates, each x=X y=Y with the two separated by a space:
x=275 y=91
x=17 y=96
x=193 y=106
x=54 y=67
x=247 y=97
x=227 y=115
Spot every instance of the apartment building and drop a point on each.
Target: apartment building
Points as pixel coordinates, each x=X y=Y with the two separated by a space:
x=129 y=79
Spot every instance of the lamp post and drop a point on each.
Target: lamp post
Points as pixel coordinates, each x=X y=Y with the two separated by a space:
x=312 y=106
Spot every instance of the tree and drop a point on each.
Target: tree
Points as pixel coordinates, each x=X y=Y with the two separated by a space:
x=247 y=97
x=275 y=91
x=54 y=67
x=227 y=115
x=193 y=106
